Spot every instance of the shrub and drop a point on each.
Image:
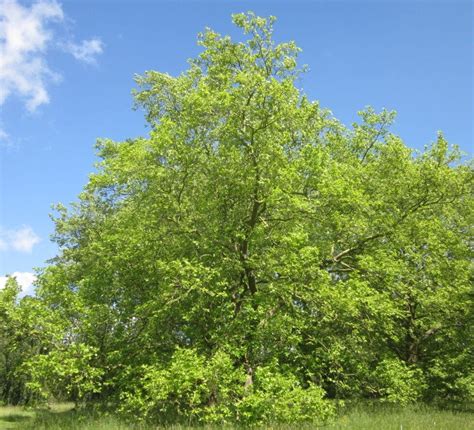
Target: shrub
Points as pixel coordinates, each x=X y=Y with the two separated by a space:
x=278 y=397
x=192 y=389
x=396 y=382
x=188 y=389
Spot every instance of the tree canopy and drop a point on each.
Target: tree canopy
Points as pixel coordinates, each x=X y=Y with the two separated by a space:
x=253 y=257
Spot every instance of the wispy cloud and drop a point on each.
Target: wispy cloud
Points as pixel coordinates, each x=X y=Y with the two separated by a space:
x=22 y=239
x=25 y=280
x=86 y=51
x=26 y=34
x=6 y=141
x=4 y=136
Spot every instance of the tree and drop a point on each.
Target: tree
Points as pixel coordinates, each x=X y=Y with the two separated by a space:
x=8 y=358
x=254 y=226
x=27 y=330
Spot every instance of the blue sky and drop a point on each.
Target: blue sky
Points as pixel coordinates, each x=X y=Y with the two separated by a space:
x=66 y=73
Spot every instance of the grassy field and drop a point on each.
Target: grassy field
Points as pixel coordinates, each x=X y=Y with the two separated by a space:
x=63 y=417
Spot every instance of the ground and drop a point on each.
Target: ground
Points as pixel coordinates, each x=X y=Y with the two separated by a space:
x=367 y=417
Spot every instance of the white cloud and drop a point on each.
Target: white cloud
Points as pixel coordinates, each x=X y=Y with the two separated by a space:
x=5 y=142
x=26 y=34
x=21 y=240
x=24 y=239
x=86 y=51
x=24 y=38
x=24 y=279
x=4 y=135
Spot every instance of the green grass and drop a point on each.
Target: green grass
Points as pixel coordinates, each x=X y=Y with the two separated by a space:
x=361 y=417
x=380 y=417
x=12 y=417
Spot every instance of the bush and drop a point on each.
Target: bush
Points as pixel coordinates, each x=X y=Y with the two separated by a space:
x=277 y=397
x=188 y=389
x=396 y=382
x=192 y=389
x=63 y=374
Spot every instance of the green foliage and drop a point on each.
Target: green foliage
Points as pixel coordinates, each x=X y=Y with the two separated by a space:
x=253 y=256
x=63 y=373
x=396 y=382
x=27 y=329
x=192 y=389
x=278 y=397
x=10 y=389
x=188 y=389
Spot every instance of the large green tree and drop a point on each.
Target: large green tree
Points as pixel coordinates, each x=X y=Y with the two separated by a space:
x=253 y=235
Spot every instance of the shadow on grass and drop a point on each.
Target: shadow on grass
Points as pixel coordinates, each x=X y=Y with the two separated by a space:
x=15 y=418
x=46 y=419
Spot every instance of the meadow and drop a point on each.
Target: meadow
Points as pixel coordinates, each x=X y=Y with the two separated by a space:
x=362 y=417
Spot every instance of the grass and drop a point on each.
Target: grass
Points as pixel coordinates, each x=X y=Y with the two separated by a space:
x=360 y=417
x=380 y=417
x=11 y=417
x=17 y=417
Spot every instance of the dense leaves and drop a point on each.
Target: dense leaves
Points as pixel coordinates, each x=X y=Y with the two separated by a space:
x=253 y=257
